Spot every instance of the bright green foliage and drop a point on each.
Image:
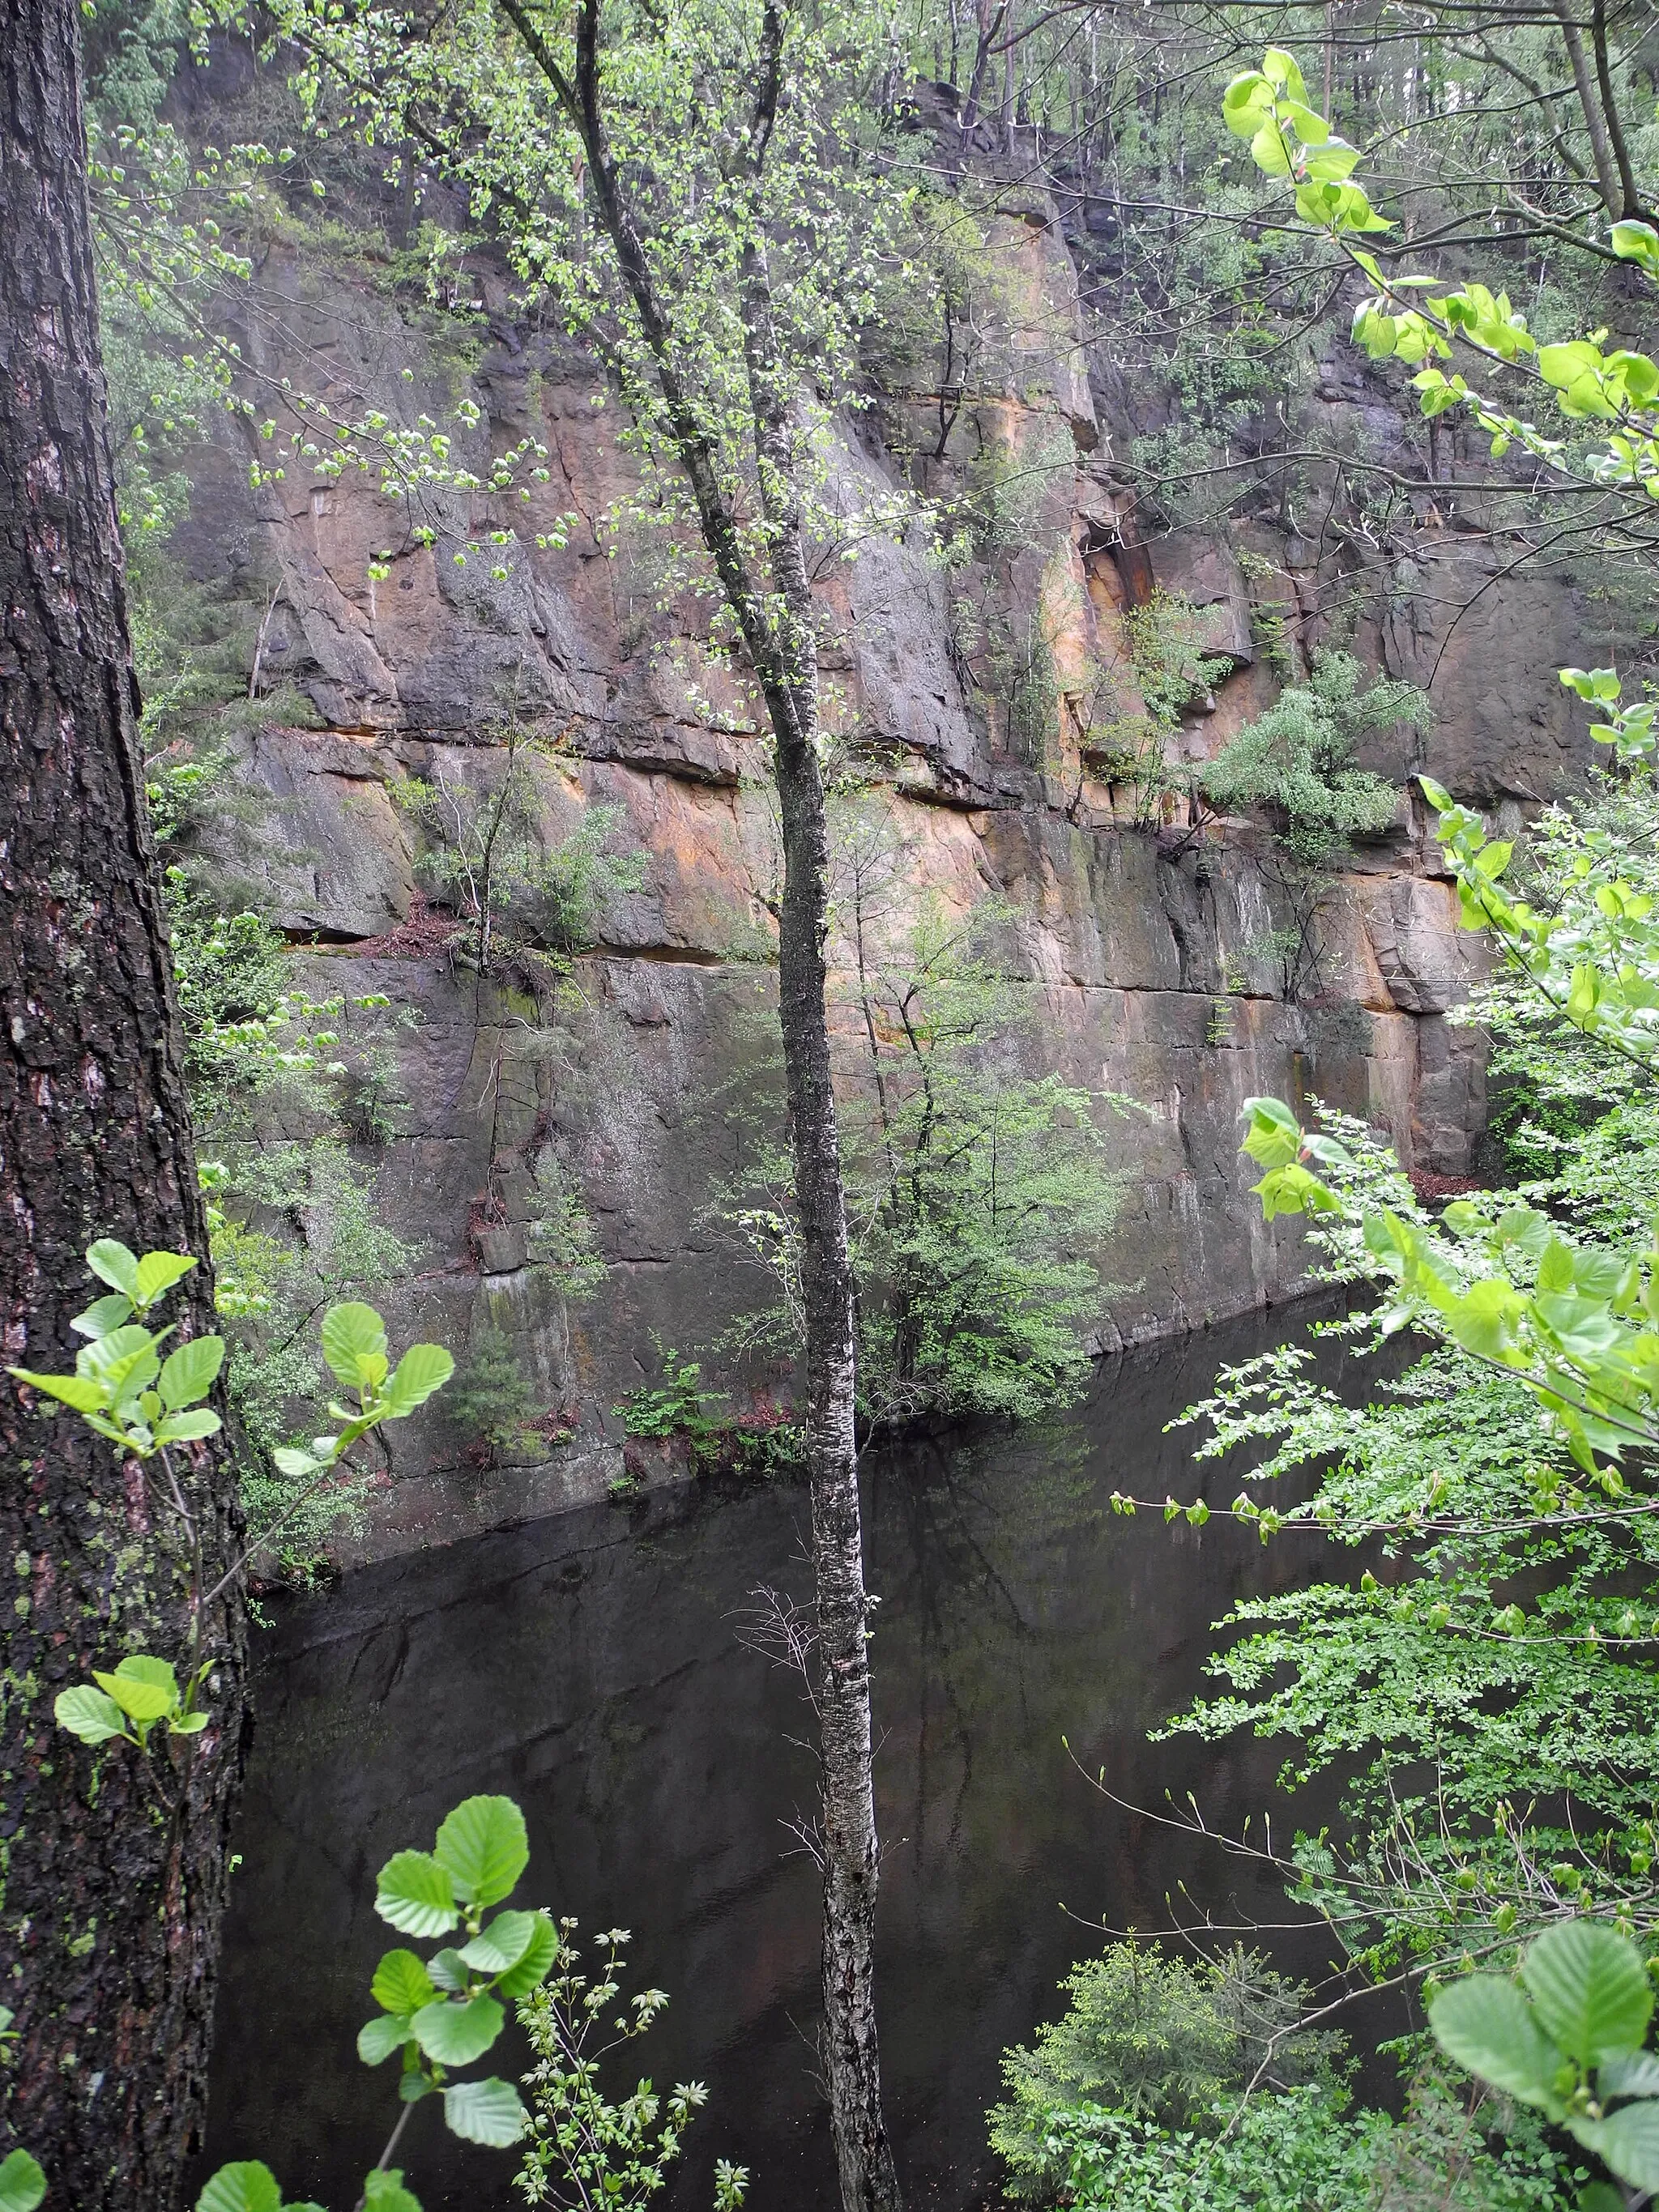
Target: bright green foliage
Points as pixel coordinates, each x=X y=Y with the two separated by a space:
x=763 y=1442
x=586 y=2149
x=447 y=2010
x=1570 y=2041
x=1617 y=389
x=122 y=1386
x=1296 y=759
x=1592 y=951
x=1163 y=2039
x=248 y=2185
x=1296 y=763
x=1294 y=2151
x=23 y=2185
x=1505 y=1644
x=148 y=1402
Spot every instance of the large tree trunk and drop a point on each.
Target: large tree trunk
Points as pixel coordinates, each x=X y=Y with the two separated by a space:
x=115 y=1861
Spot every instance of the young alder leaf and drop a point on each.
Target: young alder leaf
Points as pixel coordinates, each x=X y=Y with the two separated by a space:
x=1591 y=1989
x=401 y=1983
x=88 y=1713
x=483 y=1845
x=502 y=1945
x=1600 y=2196
x=378 y=2037
x=383 y=2191
x=247 y=2186
x=415 y=1894
x=531 y=1970
x=189 y=1371
x=79 y=1391
x=1628 y=2141
x=188 y=1723
x=23 y=2185
x=1635 y=2076
x=138 y=1696
x=423 y=1368
x=448 y=1971
x=103 y=1315
x=456 y=2034
x=484 y=2112
x=1486 y=2024
x=114 y=1264
x=353 y=1339
x=157 y=1272
x=187 y=1427
x=295 y=1463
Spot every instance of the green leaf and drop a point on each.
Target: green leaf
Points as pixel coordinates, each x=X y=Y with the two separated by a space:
x=158 y=1272
x=448 y=1971
x=88 y=1713
x=455 y=2034
x=1637 y=2075
x=189 y=1371
x=383 y=2191
x=114 y=1264
x=1590 y=1990
x=378 y=2037
x=1280 y=70
x=1628 y=2141
x=23 y=2185
x=294 y=1464
x=423 y=1368
x=1268 y=149
x=145 y=1689
x=188 y=1723
x=531 y=1970
x=103 y=1315
x=502 y=1944
x=415 y=1894
x=246 y=2186
x=484 y=2112
x=401 y=1983
x=1486 y=2024
x=354 y=1345
x=484 y=1846
x=79 y=1391
x=187 y=1427
x=1600 y=2196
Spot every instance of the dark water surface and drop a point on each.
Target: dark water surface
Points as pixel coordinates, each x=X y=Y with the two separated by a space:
x=589 y=1666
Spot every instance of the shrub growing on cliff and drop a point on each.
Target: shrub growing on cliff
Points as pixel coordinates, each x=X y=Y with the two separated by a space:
x=1296 y=763
x=979 y=1195
x=525 y=899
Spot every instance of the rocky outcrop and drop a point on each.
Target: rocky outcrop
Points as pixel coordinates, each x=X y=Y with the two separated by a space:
x=979 y=693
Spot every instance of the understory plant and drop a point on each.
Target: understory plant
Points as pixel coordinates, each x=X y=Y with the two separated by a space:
x=585 y=2148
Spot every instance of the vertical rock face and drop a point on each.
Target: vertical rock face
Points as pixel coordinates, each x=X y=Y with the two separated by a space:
x=990 y=694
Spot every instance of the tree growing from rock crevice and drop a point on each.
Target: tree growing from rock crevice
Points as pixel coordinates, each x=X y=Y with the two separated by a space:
x=115 y=1866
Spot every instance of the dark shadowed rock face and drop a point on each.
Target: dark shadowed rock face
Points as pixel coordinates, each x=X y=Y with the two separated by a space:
x=1143 y=948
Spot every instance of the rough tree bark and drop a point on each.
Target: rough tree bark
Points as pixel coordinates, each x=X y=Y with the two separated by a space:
x=779 y=631
x=115 y=1865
